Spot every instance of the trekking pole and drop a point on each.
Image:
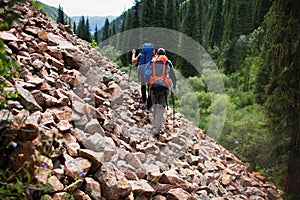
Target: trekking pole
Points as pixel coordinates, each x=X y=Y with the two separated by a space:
x=173 y=102
x=129 y=74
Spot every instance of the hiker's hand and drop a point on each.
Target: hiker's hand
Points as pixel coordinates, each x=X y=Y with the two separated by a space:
x=133 y=51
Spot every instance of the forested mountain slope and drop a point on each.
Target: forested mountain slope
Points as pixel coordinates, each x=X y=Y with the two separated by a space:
x=255 y=45
x=214 y=24
x=77 y=127
x=94 y=21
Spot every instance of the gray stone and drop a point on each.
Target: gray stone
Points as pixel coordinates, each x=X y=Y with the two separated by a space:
x=27 y=100
x=80 y=195
x=96 y=158
x=64 y=125
x=97 y=142
x=141 y=187
x=117 y=94
x=56 y=185
x=73 y=148
x=113 y=182
x=6 y=118
x=7 y=36
x=93 y=188
x=93 y=126
x=79 y=135
x=179 y=194
x=77 y=168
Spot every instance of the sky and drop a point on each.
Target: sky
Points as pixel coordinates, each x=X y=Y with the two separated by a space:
x=91 y=7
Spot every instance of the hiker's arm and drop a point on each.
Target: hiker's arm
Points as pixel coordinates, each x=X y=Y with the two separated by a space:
x=133 y=58
x=172 y=74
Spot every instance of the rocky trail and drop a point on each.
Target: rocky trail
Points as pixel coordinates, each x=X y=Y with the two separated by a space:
x=78 y=125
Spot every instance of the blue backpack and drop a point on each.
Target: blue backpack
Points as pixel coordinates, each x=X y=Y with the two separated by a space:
x=145 y=57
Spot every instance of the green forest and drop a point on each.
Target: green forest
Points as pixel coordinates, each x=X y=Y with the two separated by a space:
x=255 y=44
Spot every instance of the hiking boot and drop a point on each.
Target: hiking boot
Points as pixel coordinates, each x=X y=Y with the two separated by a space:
x=156 y=133
x=159 y=136
x=143 y=107
x=144 y=94
x=162 y=138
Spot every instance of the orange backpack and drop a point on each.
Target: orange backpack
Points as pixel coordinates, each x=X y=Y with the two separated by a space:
x=159 y=76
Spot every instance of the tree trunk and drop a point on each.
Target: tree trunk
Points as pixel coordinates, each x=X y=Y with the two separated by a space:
x=292 y=185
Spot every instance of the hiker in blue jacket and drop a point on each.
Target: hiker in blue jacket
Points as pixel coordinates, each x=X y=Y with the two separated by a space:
x=143 y=58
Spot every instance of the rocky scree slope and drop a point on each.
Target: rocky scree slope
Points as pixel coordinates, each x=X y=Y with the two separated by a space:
x=79 y=127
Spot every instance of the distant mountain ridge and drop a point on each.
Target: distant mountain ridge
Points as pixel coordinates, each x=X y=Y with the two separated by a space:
x=93 y=20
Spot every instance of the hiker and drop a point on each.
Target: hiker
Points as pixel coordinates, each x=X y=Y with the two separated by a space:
x=142 y=59
x=160 y=74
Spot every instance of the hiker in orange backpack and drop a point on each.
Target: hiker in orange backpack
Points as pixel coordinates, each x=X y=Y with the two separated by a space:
x=161 y=76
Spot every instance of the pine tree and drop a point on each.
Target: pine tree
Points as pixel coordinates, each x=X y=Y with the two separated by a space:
x=114 y=31
x=206 y=9
x=189 y=28
x=182 y=10
x=171 y=15
x=60 y=18
x=147 y=13
x=96 y=34
x=74 y=28
x=215 y=29
x=261 y=7
x=283 y=86
x=87 y=33
x=128 y=40
x=80 y=27
x=136 y=14
x=172 y=22
x=199 y=21
x=243 y=17
x=158 y=14
x=129 y=20
x=105 y=33
x=83 y=29
x=122 y=42
x=123 y=22
x=229 y=14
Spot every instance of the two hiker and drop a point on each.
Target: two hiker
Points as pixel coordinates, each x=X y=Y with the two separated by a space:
x=160 y=76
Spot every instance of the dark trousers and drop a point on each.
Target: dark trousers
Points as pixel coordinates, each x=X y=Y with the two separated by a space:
x=159 y=103
x=144 y=93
